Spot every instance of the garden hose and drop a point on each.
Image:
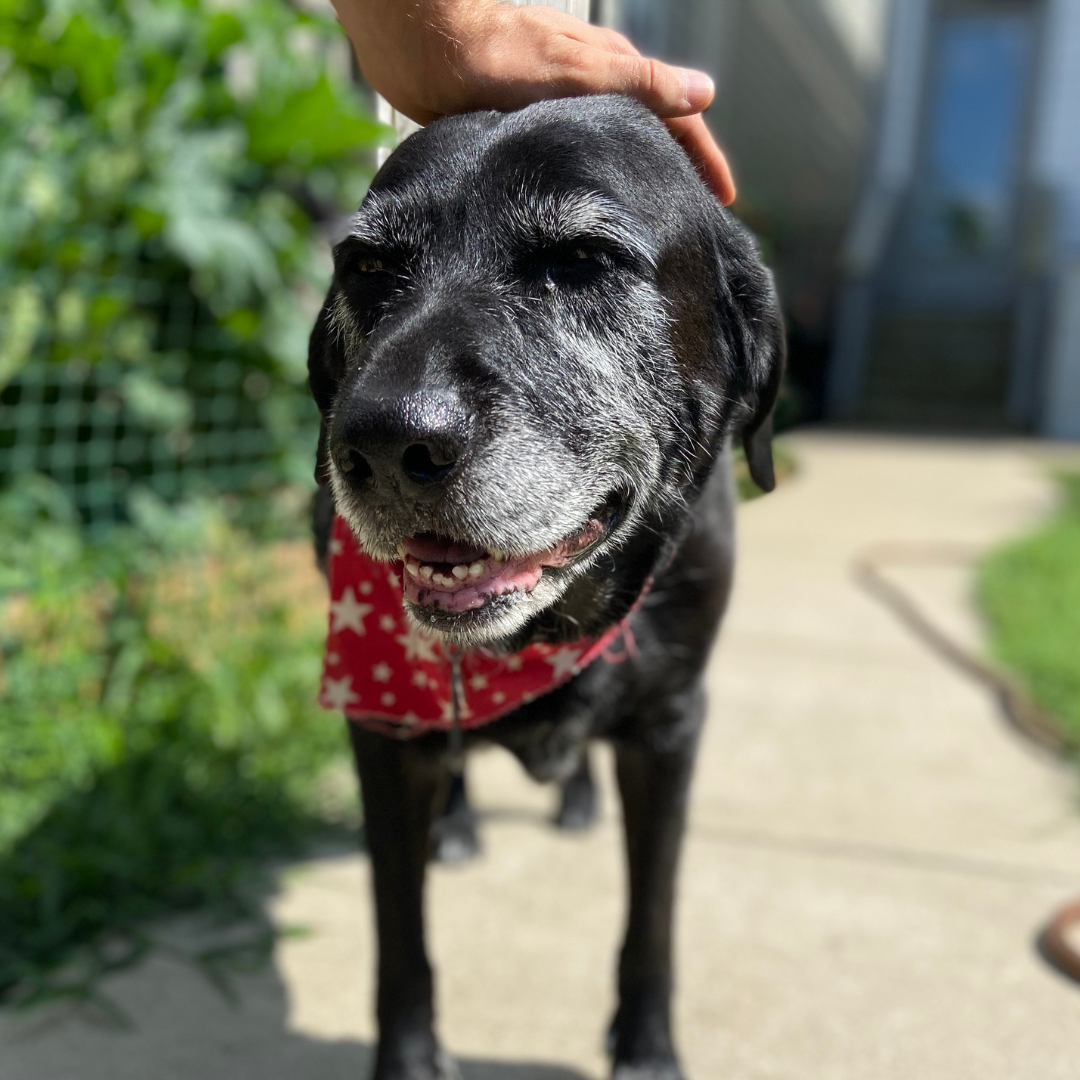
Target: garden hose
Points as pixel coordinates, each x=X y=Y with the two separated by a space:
x=1023 y=713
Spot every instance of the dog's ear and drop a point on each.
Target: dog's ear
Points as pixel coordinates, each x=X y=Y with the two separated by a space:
x=751 y=331
x=766 y=373
x=326 y=363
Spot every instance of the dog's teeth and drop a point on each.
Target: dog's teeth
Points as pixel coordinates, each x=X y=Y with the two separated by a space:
x=413 y=568
x=443 y=579
x=477 y=568
x=460 y=572
x=498 y=555
x=426 y=572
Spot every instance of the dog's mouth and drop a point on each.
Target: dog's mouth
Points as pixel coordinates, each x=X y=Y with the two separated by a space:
x=454 y=576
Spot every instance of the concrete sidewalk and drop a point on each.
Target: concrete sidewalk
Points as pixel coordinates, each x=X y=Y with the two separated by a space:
x=871 y=851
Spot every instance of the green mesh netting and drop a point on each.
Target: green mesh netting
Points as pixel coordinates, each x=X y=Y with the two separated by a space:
x=86 y=429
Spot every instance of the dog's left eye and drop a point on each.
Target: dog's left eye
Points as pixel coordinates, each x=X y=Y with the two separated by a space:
x=570 y=266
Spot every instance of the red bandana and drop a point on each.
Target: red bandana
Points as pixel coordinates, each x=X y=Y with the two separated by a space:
x=384 y=672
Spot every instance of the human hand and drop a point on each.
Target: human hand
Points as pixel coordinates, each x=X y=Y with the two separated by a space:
x=429 y=58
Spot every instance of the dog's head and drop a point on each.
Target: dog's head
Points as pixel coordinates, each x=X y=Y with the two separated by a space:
x=541 y=330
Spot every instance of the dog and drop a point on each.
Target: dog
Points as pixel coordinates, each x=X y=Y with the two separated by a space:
x=541 y=338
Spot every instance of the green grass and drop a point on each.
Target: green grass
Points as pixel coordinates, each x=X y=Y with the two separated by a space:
x=160 y=737
x=1030 y=592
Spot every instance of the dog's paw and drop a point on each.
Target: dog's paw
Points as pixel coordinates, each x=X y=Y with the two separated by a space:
x=639 y=1042
x=657 y=1070
x=448 y=1067
x=454 y=838
x=437 y=1066
x=577 y=809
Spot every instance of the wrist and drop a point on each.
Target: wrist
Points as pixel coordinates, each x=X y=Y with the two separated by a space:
x=414 y=53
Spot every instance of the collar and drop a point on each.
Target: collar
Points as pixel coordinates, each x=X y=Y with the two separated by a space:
x=383 y=671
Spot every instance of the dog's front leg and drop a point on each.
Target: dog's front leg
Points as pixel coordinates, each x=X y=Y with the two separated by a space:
x=654 y=771
x=399 y=783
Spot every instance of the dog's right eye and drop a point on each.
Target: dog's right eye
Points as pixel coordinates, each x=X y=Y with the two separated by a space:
x=569 y=266
x=367 y=264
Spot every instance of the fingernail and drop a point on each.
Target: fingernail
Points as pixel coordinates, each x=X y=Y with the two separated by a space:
x=699 y=88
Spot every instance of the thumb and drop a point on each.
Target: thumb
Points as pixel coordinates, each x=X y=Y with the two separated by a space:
x=666 y=90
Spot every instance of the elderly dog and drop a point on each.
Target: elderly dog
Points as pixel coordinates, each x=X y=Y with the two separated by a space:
x=541 y=336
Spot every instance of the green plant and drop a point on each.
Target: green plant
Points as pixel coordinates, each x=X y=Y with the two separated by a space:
x=1030 y=592
x=783 y=466
x=160 y=734
x=160 y=165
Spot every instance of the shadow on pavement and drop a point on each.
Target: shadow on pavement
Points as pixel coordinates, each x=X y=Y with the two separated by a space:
x=183 y=1029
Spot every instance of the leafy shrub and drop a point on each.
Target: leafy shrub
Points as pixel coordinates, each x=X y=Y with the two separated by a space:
x=160 y=731
x=161 y=163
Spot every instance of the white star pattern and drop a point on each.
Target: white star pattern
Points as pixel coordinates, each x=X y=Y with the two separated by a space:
x=336 y=547
x=339 y=692
x=417 y=645
x=401 y=671
x=563 y=663
x=349 y=613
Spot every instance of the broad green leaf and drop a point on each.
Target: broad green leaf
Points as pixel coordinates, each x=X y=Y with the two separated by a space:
x=311 y=126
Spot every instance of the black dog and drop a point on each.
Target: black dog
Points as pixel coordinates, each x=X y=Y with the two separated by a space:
x=541 y=332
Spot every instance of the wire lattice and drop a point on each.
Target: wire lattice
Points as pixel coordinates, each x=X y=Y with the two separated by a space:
x=76 y=424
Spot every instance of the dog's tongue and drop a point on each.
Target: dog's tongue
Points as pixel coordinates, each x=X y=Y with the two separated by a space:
x=455 y=576
x=429 y=548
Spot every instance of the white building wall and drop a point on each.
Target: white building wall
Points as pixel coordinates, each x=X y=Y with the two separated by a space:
x=861 y=23
x=1057 y=131
x=1062 y=402
x=1057 y=169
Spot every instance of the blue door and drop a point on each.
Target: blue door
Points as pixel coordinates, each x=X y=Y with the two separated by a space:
x=948 y=340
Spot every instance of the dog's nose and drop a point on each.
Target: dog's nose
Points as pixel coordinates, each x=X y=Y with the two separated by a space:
x=415 y=439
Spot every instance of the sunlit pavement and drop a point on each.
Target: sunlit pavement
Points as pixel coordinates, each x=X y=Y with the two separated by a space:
x=871 y=851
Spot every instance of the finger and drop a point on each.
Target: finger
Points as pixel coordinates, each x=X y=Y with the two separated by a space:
x=696 y=139
x=667 y=90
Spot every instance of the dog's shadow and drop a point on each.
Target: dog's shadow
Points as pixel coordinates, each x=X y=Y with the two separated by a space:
x=181 y=1028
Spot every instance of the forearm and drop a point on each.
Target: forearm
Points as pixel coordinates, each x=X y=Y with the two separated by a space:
x=429 y=58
